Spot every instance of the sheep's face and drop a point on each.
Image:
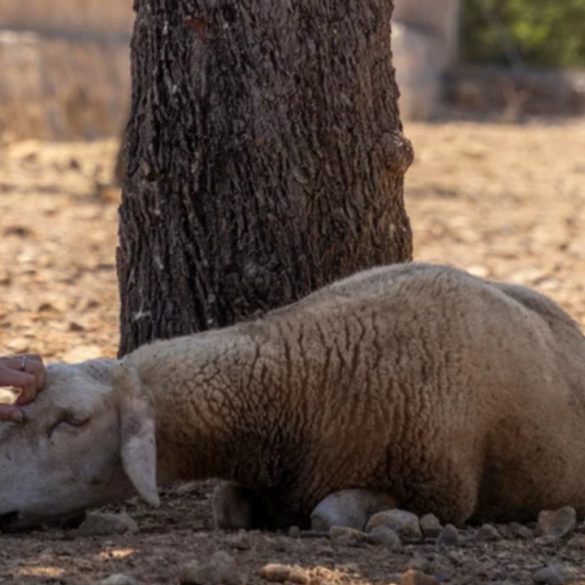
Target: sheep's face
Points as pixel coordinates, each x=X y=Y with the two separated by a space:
x=88 y=439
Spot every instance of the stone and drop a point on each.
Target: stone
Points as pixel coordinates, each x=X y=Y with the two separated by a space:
x=385 y=536
x=298 y=575
x=487 y=533
x=418 y=563
x=347 y=535
x=221 y=570
x=294 y=532
x=557 y=523
x=430 y=526
x=521 y=531
x=449 y=536
x=275 y=572
x=412 y=577
x=550 y=575
x=239 y=541
x=404 y=523
x=350 y=508
x=118 y=579
x=100 y=524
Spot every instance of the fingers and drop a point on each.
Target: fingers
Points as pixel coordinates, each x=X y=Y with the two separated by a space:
x=33 y=364
x=23 y=380
x=11 y=413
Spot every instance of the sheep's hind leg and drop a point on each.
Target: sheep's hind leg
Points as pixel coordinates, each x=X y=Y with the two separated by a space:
x=349 y=508
x=236 y=507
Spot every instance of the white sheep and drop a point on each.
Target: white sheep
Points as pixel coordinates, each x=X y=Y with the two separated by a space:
x=416 y=384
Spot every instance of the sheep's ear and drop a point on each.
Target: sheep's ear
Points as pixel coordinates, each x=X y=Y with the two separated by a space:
x=137 y=434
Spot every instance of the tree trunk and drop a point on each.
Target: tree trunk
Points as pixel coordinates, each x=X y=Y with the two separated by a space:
x=265 y=158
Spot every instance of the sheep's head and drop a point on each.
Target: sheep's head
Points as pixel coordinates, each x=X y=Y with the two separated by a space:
x=88 y=439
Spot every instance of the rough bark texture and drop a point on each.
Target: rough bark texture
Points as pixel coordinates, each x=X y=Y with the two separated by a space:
x=265 y=158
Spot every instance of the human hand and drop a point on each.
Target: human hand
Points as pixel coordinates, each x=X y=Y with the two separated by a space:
x=25 y=372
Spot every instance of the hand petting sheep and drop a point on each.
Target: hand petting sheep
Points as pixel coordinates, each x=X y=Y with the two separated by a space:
x=411 y=385
x=25 y=373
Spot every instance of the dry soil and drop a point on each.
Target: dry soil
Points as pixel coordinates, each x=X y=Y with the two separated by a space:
x=502 y=201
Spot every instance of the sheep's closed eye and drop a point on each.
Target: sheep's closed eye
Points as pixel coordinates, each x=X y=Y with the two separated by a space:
x=68 y=422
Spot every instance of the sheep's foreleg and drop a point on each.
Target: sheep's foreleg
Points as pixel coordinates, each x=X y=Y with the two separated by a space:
x=236 y=507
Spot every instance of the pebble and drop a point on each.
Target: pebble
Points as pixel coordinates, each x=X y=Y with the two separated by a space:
x=418 y=563
x=239 y=541
x=412 y=577
x=275 y=573
x=521 y=531
x=430 y=526
x=557 y=523
x=449 y=536
x=346 y=535
x=385 y=536
x=220 y=569
x=487 y=533
x=550 y=575
x=294 y=532
x=118 y=579
x=298 y=575
x=404 y=523
x=99 y=524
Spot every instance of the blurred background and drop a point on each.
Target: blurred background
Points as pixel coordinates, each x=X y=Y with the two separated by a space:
x=65 y=63
x=493 y=97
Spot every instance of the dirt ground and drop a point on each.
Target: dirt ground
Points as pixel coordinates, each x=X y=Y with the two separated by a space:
x=498 y=200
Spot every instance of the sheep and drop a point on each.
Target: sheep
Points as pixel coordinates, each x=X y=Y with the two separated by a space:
x=414 y=384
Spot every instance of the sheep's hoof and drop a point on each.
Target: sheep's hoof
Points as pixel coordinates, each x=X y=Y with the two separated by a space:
x=349 y=508
x=236 y=508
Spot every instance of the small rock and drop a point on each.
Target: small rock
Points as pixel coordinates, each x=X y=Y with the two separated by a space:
x=430 y=526
x=190 y=487
x=99 y=524
x=487 y=533
x=412 y=577
x=294 y=532
x=220 y=569
x=550 y=575
x=520 y=531
x=418 y=563
x=118 y=579
x=385 y=536
x=239 y=541
x=449 y=536
x=346 y=535
x=298 y=575
x=404 y=523
x=275 y=573
x=557 y=523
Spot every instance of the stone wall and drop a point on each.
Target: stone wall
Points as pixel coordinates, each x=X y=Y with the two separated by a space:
x=106 y=19
x=65 y=72
x=65 y=63
x=424 y=46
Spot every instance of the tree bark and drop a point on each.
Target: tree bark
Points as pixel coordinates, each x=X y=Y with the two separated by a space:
x=265 y=158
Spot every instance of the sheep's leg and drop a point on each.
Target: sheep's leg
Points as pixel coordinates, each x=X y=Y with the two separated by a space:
x=236 y=507
x=349 y=508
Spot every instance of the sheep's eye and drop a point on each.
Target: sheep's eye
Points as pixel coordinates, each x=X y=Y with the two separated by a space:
x=69 y=421
x=76 y=422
